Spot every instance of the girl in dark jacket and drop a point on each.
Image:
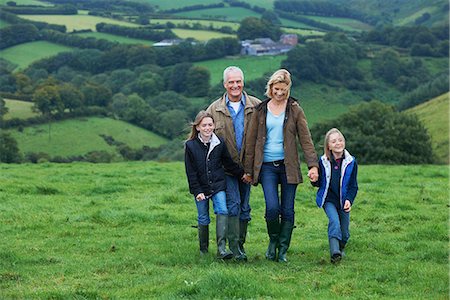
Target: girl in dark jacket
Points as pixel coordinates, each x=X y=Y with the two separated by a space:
x=337 y=190
x=206 y=158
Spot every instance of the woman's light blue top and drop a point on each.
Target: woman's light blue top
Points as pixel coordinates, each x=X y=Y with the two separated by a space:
x=273 y=148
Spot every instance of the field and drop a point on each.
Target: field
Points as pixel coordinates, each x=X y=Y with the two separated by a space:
x=343 y=23
x=123 y=231
x=19 y=109
x=115 y=38
x=235 y=14
x=253 y=66
x=434 y=114
x=163 y=5
x=213 y=23
x=76 y=22
x=82 y=135
x=26 y=2
x=25 y=54
x=201 y=35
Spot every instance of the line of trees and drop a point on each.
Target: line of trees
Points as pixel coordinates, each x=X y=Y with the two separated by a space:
x=192 y=7
x=17 y=34
x=67 y=9
x=13 y=19
x=139 y=33
x=122 y=6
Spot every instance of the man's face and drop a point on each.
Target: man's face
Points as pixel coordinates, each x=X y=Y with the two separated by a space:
x=234 y=85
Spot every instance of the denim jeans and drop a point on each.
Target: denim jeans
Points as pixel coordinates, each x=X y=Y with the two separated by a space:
x=238 y=196
x=270 y=177
x=220 y=207
x=338 y=222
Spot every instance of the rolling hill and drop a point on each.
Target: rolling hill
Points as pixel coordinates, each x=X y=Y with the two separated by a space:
x=434 y=114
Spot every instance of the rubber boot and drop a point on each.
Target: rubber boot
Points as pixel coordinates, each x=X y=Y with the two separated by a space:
x=273 y=229
x=342 y=247
x=203 y=238
x=285 y=240
x=233 y=238
x=243 y=225
x=335 y=253
x=221 y=235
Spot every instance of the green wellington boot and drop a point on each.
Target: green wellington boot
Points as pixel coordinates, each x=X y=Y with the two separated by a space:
x=285 y=240
x=203 y=238
x=221 y=235
x=273 y=229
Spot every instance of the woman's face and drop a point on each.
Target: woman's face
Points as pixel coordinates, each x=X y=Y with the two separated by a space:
x=206 y=128
x=279 y=91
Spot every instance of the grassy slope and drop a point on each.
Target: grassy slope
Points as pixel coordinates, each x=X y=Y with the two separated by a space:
x=19 y=109
x=80 y=136
x=123 y=231
x=25 y=54
x=76 y=22
x=115 y=38
x=435 y=116
x=201 y=35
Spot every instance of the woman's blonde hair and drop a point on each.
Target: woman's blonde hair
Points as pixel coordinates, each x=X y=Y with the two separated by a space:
x=280 y=76
x=326 y=149
x=198 y=119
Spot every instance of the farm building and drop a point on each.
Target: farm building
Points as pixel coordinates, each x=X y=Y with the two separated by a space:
x=266 y=46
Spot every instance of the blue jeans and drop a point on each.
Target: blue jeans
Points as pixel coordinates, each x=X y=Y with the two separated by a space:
x=220 y=207
x=270 y=177
x=338 y=222
x=238 y=196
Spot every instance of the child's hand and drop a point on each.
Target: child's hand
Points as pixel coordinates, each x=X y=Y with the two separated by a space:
x=247 y=178
x=200 y=197
x=347 y=206
x=313 y=174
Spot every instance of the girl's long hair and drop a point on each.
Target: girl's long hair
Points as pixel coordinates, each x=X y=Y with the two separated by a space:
x=326 y=149
x=198 y=119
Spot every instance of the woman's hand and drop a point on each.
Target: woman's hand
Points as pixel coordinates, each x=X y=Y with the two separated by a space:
x=247 y=178
x=347 y=206
x=313 y=174
x=200 y=197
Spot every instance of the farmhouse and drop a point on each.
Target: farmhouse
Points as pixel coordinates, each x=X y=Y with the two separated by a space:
x=266 y=46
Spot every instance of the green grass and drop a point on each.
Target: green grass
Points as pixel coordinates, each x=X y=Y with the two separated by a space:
x=201 y=35
x=25 y=54
x=80 y=136
x=344 y=23
x=26 y=2
x=253 y=66
x=19 y=109
x=213 y=23
x=434 y=114
x=115 y=38
x=123 y=231
x=236 y=14
x=76 y=22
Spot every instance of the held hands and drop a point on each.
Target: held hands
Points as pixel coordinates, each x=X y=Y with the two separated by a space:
x=247 y=178
x=313 y=174
x=347 y=206
x=200 y=197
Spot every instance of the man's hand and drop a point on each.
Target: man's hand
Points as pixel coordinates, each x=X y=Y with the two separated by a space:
x=313 y=174
x=247 y=178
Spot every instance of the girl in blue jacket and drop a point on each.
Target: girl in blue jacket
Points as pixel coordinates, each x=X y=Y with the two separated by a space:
x=206 y=159
x=337 y=190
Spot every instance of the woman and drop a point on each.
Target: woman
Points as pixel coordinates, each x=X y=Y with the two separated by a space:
x=271 y=158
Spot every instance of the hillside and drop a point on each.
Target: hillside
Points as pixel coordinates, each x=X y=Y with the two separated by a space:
x=19 y=109
x=82 y=135
x=435 y=116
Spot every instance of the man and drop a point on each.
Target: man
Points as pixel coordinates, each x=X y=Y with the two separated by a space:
x=232 y=113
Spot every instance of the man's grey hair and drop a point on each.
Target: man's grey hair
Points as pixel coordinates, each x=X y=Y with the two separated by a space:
x=230 y=70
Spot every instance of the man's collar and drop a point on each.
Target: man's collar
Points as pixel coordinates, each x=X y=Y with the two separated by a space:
x=227 y=100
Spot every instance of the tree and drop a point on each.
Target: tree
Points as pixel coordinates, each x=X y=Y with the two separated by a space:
x=71 y=97
x=252 y=28
x=47 y=100
x=172 y=123
x=9 y=151
x=377 y=134
x=197 y=81
x=3 y=108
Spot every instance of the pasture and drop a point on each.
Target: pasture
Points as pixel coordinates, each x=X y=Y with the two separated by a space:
x=343 y=23
x=76 y=22
x=115 y=38
x=200 y=35
x=163 y=5
x=19 y=109
x=434 y=114
x=27 y=2
x=123 y=231
x=235 y=14
x=25 y=54
x=82 y=135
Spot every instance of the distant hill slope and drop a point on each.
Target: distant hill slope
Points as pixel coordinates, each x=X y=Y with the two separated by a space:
x=19 y=109
x=82 y=135
x=435 y=116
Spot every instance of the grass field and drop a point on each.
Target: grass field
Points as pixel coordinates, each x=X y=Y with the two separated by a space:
x=235 y=14
x=76 y=22
x=163 y=5
x=19 y=109
x=82 y=135
x=123 y=231
x=201 y=35
x=26 y=2
x=434 y=114
x=213 y=23
x=115 y=38
x=25 y=54
x=253 y=66
x=344 y=23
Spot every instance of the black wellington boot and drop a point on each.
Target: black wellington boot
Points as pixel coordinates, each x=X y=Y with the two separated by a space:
x=243 y=225
x=233 y=238
x=285 y=240
x=203 y=238
x=221 y=235
x=273 y=229
x=335 y=253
